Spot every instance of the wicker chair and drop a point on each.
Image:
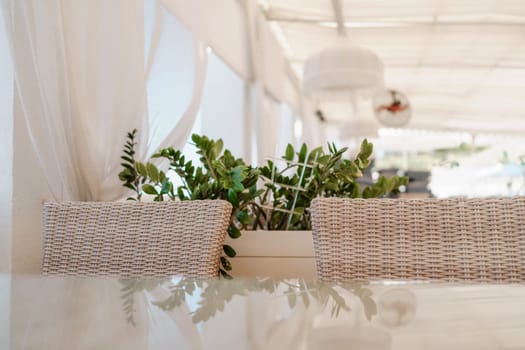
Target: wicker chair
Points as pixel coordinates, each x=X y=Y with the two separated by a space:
x=476 y=240
x=134 y=239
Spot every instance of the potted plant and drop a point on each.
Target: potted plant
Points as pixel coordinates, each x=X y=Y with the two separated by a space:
x=282 y=214
x=219 y=176
x=270 y=203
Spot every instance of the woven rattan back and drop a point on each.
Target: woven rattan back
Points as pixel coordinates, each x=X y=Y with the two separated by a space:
x=478 y=240
x=135 y=239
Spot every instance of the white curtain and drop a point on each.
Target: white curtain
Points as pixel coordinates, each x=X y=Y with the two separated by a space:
x=83 y=76
x=176 y=71
x=6 y=157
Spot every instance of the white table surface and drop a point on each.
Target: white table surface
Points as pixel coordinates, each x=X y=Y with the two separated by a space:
x=90 y=313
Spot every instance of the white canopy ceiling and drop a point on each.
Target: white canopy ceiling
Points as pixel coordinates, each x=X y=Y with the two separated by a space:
x=461 y=62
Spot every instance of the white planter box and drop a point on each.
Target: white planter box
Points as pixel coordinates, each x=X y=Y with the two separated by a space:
x=278 y=254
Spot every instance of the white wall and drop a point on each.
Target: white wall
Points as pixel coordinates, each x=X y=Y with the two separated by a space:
x=222 y=107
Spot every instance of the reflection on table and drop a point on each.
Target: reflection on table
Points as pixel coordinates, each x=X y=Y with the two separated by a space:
x=90 y=313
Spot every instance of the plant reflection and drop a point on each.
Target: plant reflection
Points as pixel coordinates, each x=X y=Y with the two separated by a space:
x=215 y=294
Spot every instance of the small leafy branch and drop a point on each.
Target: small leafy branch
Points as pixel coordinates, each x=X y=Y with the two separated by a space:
x=307 y=175
x=129 y=175
x=219 y=176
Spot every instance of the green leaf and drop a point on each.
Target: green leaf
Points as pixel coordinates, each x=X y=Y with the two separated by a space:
x=130 y=186
x=289 y=154
x=181 y=195
x=153 y=172
x=224 y=274
x=217 y=148
x=127 y=166
x=234 y=232
x=196 y=139
x=243 y=217
x=302 y=153
x=366 y=150
x=232 y=197
x=315 y=154
x=129 y=151
x=127 y=159
x=166 y=186
x=229 y=251
x=162 y=176
x=147 y=188
x=141 y=169
x=226 y=264
x=125 y=175
x=237 y=176
x=238 y=187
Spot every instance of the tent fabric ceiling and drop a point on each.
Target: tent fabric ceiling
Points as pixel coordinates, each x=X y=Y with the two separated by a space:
x=461 y=62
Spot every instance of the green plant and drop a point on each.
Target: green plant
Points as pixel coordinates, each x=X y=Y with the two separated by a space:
x=129 y=176
x=307 y=175
x=219 y=176
x=281 y=203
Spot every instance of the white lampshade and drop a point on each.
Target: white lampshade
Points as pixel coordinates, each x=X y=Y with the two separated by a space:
x=342 y=68
x=358 y=128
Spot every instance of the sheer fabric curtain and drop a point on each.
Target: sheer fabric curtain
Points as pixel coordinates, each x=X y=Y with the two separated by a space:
x=176 y=70
x=83 y=75
x=6 y=188
x=86 y=72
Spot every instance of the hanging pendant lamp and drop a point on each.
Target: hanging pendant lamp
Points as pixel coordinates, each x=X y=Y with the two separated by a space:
x=343 y=67
x=340 y=69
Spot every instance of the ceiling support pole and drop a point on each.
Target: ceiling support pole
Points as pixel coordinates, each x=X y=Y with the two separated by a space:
x=339 y=17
